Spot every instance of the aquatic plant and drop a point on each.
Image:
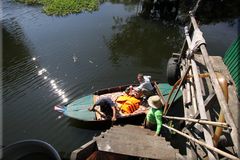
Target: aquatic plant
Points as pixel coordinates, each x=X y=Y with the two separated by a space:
x=64 y=7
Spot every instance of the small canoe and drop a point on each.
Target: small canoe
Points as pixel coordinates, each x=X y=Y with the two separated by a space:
x=78 y=109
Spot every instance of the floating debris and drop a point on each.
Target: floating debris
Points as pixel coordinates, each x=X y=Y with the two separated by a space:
x=65 y=100
x=52 y=81
x=75 y=59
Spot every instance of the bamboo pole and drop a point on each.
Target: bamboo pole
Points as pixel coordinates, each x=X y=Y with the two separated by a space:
x=159 y=92
x=202 y=143
x=200 y=121
x=179 y=82
x=221 y=99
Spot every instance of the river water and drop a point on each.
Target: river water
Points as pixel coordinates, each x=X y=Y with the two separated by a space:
x=49 y=60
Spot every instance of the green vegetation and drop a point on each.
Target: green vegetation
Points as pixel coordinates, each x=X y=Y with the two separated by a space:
x=64 y=7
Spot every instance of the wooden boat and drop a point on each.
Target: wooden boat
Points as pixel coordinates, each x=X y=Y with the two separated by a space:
x=78 y=109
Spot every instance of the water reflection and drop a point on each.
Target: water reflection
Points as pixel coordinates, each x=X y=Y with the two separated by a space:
x=221 y=11
x=137 y=38
x=160 y=9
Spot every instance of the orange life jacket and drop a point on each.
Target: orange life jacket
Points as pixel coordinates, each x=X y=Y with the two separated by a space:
x=129 y=104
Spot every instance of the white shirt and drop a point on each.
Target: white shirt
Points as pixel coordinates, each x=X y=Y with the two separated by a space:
x=145 y=85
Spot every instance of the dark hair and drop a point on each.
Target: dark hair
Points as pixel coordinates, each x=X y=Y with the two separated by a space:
x=140 y=75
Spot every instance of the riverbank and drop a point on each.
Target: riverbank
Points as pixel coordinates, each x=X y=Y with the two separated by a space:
x=64 y=7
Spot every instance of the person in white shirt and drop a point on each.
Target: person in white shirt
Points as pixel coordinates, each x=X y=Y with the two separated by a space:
x=145 y=87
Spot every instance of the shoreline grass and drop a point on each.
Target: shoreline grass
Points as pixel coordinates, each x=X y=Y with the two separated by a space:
x=64 y=7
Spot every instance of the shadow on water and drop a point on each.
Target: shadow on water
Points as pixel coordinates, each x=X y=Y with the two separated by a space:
x=175 y=10
x=17 y=64
x=13 y=43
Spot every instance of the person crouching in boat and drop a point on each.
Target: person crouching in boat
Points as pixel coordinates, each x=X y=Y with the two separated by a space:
x=106 y=108
x=154 y=116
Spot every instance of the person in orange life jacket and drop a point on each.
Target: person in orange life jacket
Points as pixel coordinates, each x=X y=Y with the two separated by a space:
x=154 y=116
x=107 y=108
x=145 y=87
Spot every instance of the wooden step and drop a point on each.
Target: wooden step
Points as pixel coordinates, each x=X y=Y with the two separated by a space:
x=140 y=131
x=127 y=137
x=145 y=149
x=134 y=141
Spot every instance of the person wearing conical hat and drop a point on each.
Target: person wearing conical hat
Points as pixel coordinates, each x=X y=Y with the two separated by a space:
x=154 y=116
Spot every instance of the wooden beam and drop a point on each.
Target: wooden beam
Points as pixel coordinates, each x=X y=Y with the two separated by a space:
x=84 y=151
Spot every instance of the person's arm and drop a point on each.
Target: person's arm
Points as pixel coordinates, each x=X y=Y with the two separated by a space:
x=138 y=88
x=114 y=113
x=158 y=116
x=93 y=107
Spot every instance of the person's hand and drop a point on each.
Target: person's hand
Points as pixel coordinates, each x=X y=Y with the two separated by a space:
x=156 y=135
x=114 y=119
x=90 y=109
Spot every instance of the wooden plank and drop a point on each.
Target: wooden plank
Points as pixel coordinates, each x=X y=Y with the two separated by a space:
x=187 y=113
x=84 y=151
x=201 y=108
x=140 y=131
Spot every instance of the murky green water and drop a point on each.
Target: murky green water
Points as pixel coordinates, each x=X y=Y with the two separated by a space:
x=82 y=53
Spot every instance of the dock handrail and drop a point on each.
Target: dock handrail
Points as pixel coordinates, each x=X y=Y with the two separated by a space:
x=193 y=89
x=219 y=93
